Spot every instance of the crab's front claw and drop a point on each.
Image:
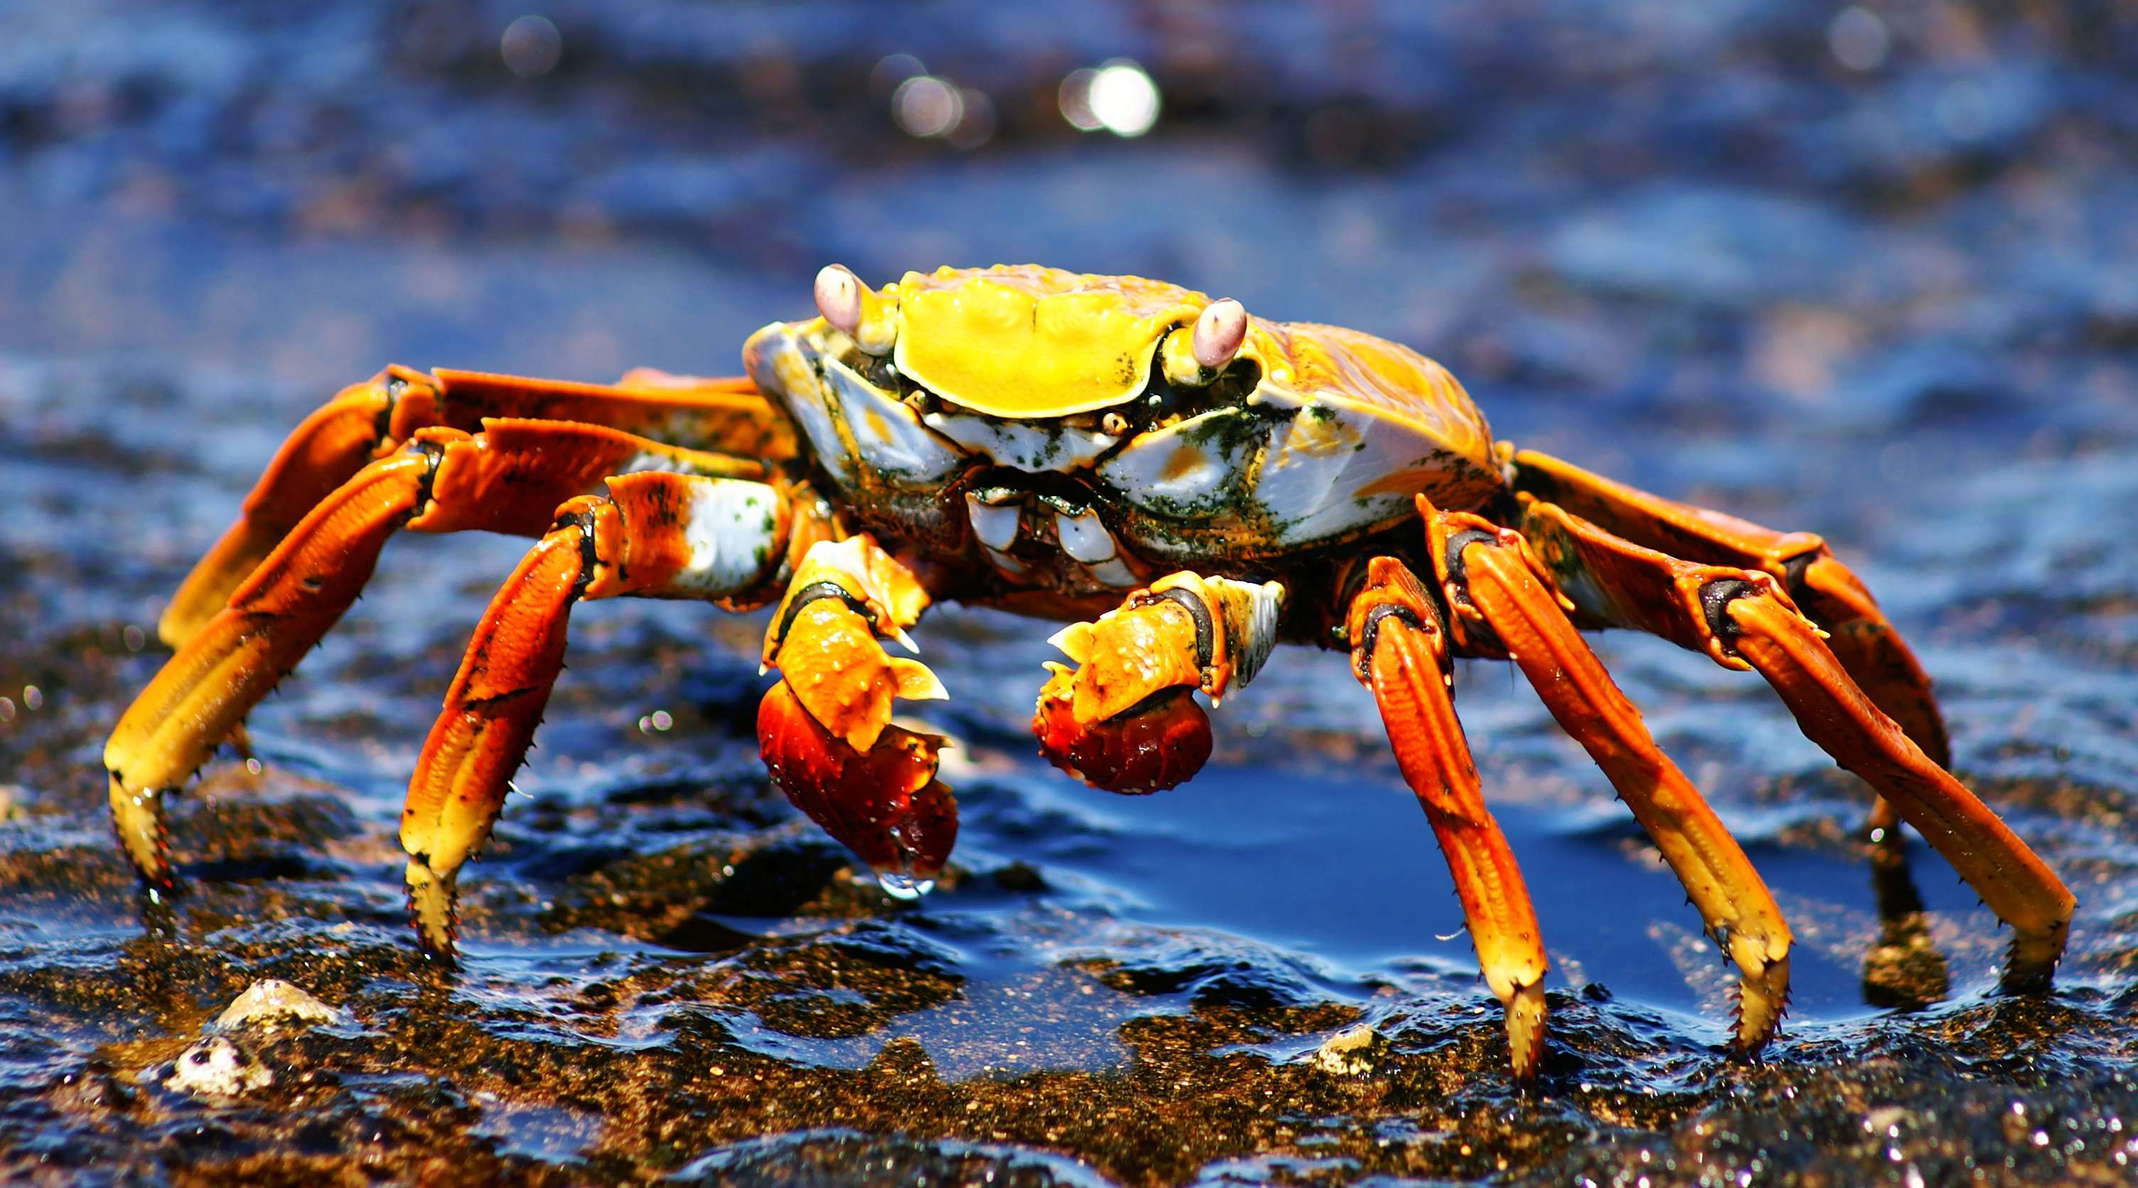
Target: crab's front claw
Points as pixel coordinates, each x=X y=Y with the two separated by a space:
x=1156 y=743
x=883 y=803
x=1125 y=719
x=825 y=730
x=839 y=674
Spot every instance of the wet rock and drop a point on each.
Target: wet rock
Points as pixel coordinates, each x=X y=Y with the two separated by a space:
x=1348 y=1053
x=777 y=879
x=271 y=1001
x=834 y=1156
x=218 y=1066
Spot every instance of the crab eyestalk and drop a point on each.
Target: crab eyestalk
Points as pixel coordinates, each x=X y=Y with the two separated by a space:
x=1192 y=356
x=855 y=310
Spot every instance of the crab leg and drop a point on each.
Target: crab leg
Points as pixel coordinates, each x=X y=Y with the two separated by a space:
x=1506 y=606
x=1834 y=713
x=508 y=479
x=1125 y=719
x=825 y=730
x=1399 y=650
x=650 y=534
x=371 y=419
x=1863 y=641
x=1743 y=619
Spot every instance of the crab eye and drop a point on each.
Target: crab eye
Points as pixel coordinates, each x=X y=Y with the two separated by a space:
x=839 y=297
x=857 y=311
x=1218 y=333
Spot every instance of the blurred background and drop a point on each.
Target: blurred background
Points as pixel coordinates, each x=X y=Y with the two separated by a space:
x=1864 y=269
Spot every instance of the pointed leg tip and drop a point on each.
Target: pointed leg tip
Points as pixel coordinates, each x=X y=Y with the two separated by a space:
x=137 y=817
x=1762 y=1001
x=2030 y=965
x=1759 y=1017
x=433 y=913
x=1525 y=1031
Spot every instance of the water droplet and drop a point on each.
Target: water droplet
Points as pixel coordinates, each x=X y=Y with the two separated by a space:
x=899 y=885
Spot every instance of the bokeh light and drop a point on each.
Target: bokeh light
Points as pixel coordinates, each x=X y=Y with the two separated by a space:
x=927 y=106
x=932 y=107
x=1119 y=96
x=531 y=46
x=1858 y=38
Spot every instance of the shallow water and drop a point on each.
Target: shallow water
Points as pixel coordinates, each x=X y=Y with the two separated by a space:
x=1699 y=252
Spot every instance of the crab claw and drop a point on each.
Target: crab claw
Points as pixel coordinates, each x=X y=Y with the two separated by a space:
x=839 y=673
x=1125 y=719
x=825 y=730
x=883 y=803
x=1155 y=744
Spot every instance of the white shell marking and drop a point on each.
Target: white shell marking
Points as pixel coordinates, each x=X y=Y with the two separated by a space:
x=1316 y=475
x=1008 y=565
x=1084 y=537
x=729 y=532
x=1031 y=446
x=994 y=524
x=778 y=365
x=890 y=438
x=1186 y=470
x=1112 y=572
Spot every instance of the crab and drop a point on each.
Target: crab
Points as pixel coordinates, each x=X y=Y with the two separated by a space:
x=1188 y=486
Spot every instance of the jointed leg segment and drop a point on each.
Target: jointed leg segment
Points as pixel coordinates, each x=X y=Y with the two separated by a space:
x=372 y=419
x=1743 y=619
x=650 y=534
x=1839 y=717
x=1399 y=650
x=1505 y=606
x=1863 y=641
x=510 y=478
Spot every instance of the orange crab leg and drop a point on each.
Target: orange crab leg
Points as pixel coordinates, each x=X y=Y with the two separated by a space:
x=1125 y=719
x=650 y=534
x=371 y=419
x=509 y=479
x=323 y=452
x=488 y=721
x=1399 y=650
x=1505 y=605
x=1743 y=619
x=825 y=730
x=1834 y=713
x=1865 y=643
